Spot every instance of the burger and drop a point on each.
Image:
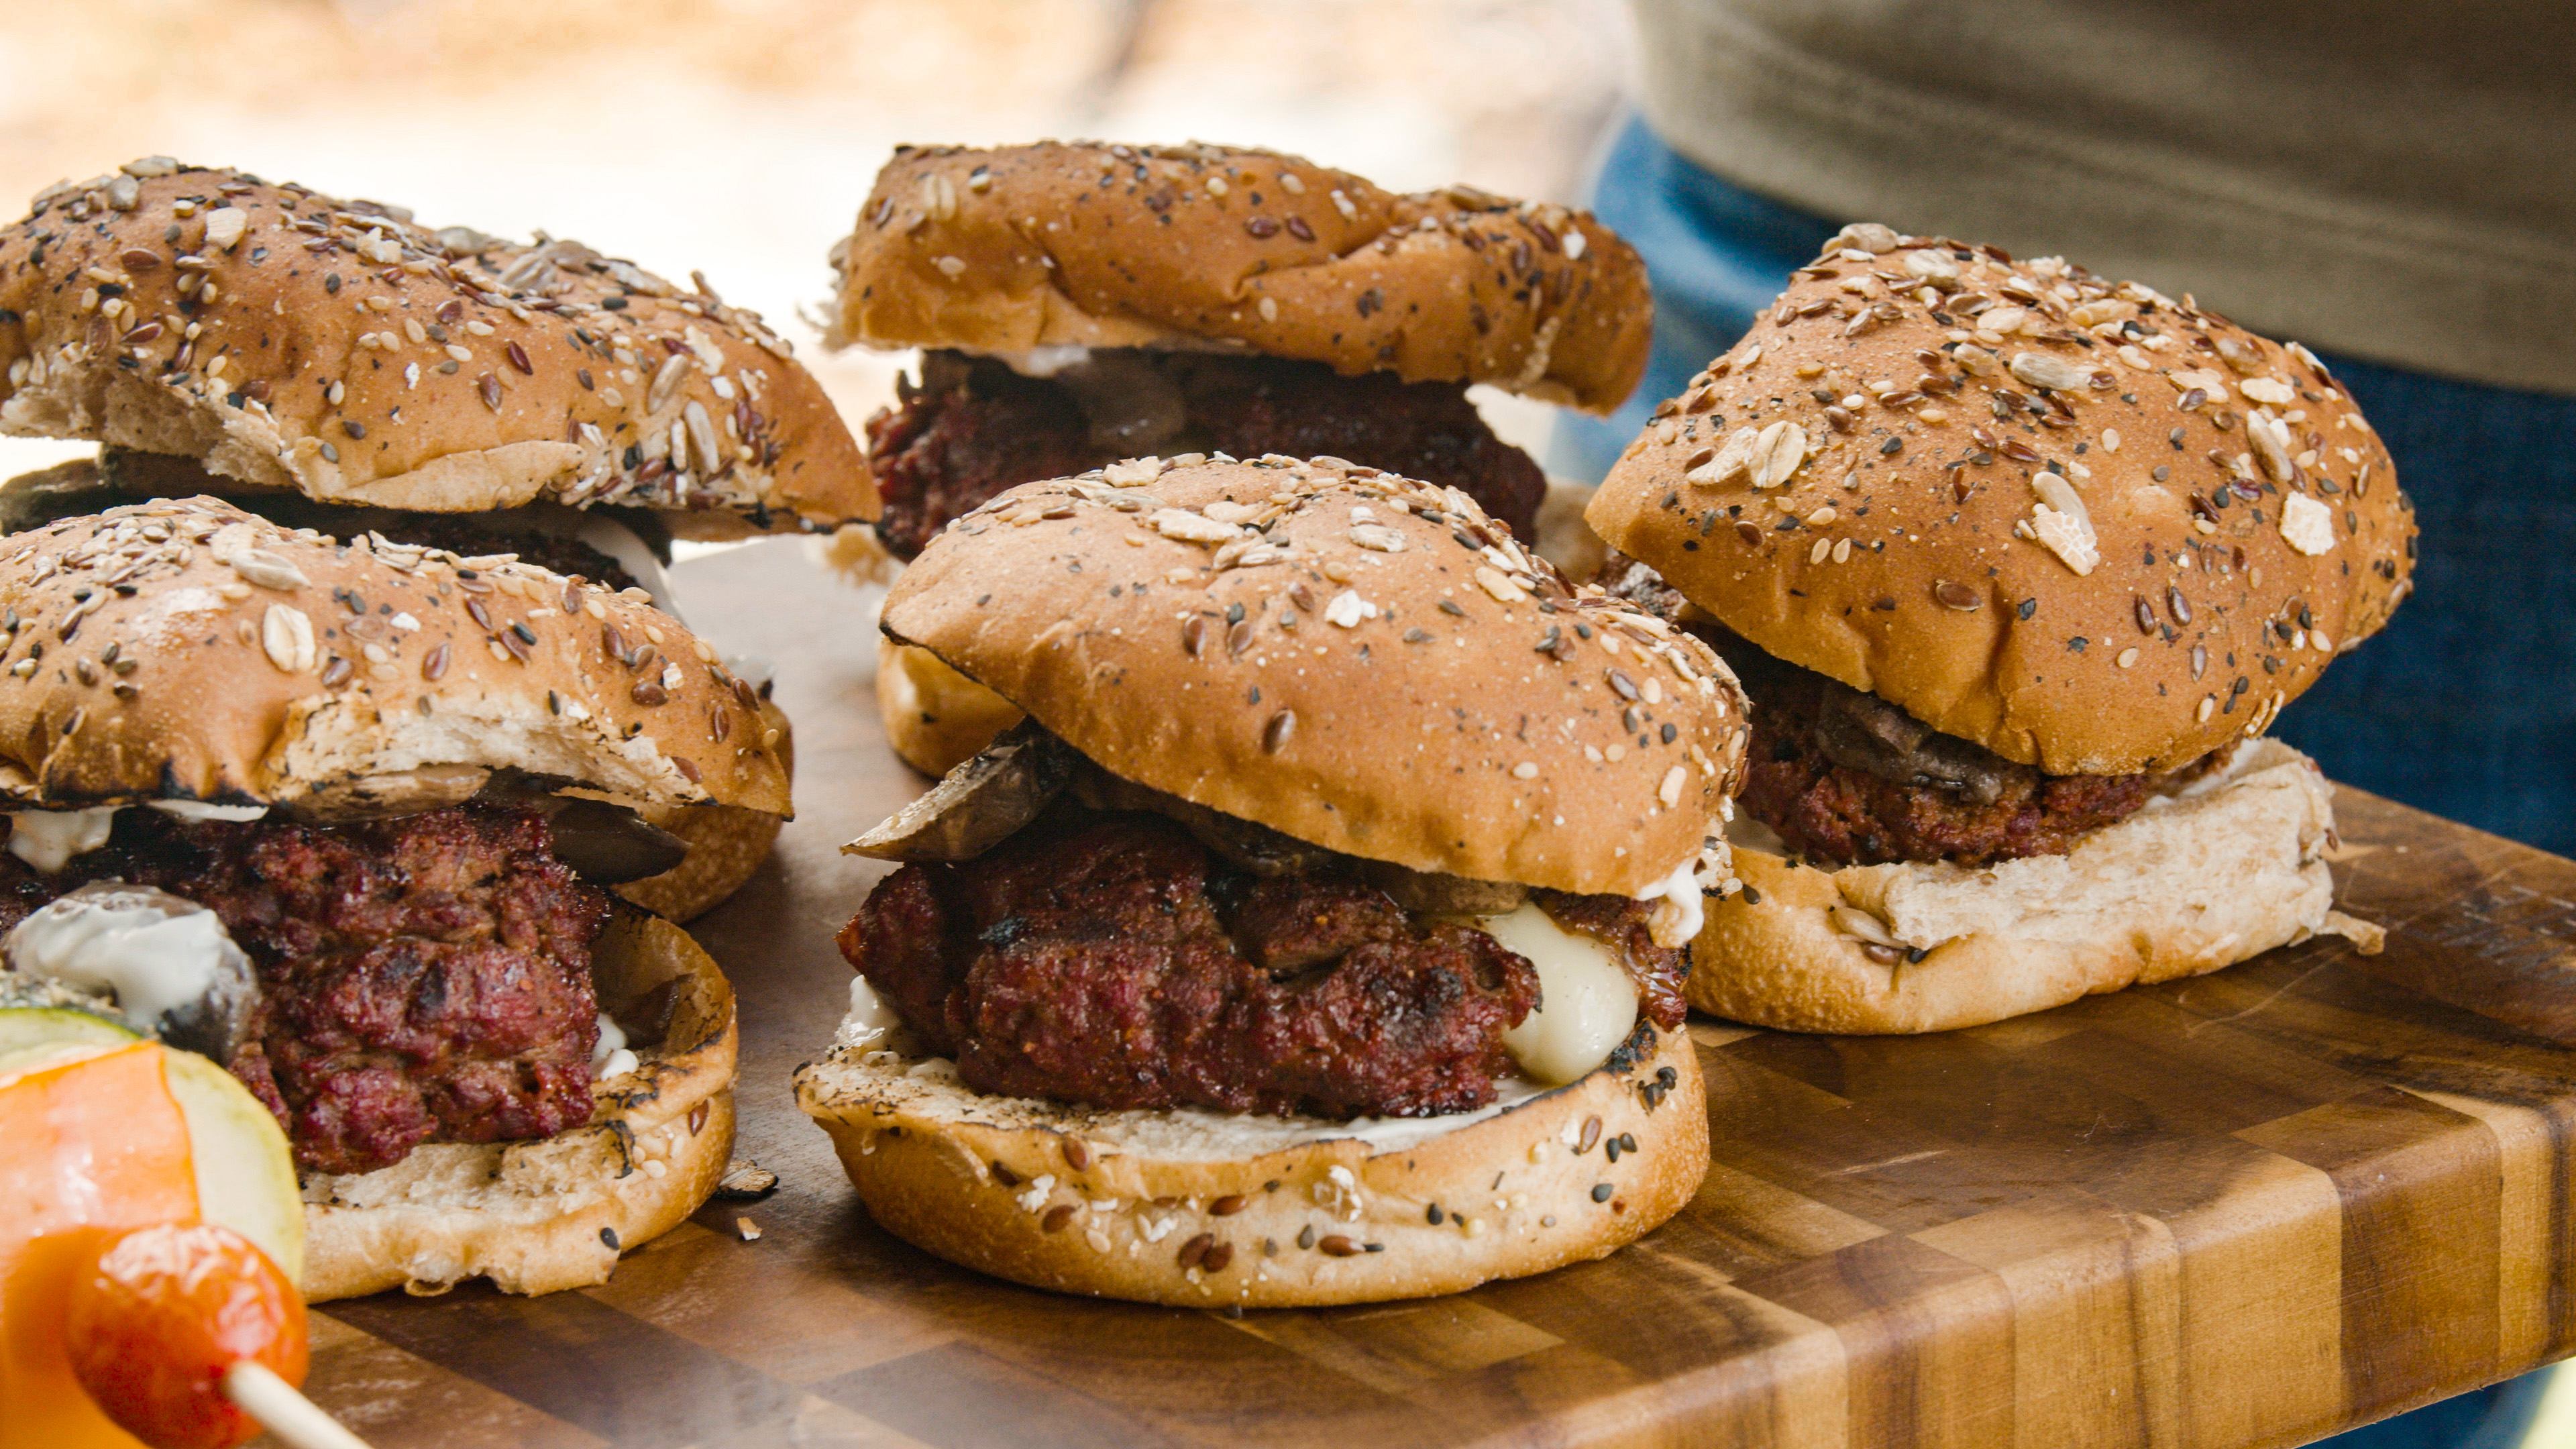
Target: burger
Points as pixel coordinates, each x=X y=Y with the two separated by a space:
x=2017 y=565
x=1082 y=303
x=1317 y=938
x=343 y=816
x=333 y=365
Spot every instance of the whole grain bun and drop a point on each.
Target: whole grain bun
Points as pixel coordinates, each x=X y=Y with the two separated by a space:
x=184 y=649
x=935 y=718
x=1901 y=531
x=555 y=1213
x=1379 y=669
x=1201 y=1209
x=2183 y=887
x=1209 y=246
x=294 y=341
x=726 y=842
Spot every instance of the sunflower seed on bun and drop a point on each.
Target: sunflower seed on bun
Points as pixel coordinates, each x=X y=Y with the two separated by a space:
x=2018 y=564
x=351 y=810
x=1317 y=937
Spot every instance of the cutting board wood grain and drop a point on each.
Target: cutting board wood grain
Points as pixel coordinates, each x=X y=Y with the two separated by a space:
x=2247 y=1209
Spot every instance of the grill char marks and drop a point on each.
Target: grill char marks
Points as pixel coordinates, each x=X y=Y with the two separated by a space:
x=973 y=428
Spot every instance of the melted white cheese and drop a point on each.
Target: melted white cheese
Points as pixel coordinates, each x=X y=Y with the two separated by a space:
x=193 y=810
x=1587 y=1002
x=871 y=1020
x=611 y=1058
x=1045 y=361
x=48 y=839
x=1676 y=918
x=155 y=951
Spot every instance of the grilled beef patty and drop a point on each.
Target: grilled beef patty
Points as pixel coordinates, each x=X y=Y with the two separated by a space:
x=1114 y=961
x=424 y=978
x=973 y=428
x=1846 y=777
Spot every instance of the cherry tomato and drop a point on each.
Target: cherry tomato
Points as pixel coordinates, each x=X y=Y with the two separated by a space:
x=153 y=1324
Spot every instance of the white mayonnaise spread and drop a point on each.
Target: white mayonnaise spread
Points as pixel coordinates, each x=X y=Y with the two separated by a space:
x=194 y=810
x=48 y=839
x=1676 y=917
x=611 y=1058
x=155 y=951
x=1587 y=1002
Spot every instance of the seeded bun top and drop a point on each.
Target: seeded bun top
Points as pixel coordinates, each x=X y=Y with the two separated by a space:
x=1208 y=246
x=186 y=650
x=1358 y=660
x=2085 y=526
x=294 y=341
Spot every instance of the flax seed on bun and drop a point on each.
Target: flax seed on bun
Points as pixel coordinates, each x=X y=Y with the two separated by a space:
x=1348 y=657
x=1202 y=1209
x=2081 y=524
x=1202 y=246
x=287 y=340
x=187 y=650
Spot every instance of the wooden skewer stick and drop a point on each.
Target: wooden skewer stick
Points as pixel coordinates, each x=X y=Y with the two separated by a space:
x=296 y=1421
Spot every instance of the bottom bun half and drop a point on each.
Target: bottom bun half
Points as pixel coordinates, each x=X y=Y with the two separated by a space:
x=935 y=717
x=1203 y=1209
x=2222 y=872
x=535 y=1217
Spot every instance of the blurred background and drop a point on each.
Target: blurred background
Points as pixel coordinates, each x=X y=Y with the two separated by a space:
x=737 y=137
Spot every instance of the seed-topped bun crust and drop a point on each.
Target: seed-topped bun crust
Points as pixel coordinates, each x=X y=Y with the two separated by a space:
x=1201 y=1210
x=1209 y=246
x=1358 y=660
x=555 y=1213
x=184 y=649
x=2087 y=527
x=295 y=341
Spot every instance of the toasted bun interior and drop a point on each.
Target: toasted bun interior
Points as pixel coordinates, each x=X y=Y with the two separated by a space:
x=2224 y=872
x=1202 y=1209
x=536 y=1217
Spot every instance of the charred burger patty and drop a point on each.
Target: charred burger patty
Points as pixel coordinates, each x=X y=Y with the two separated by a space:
x=1112 y=959
x=1846 y=777
x=422 y=978
x=973 y=427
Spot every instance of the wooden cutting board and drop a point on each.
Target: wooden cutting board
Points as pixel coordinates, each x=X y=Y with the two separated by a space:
x=2247 y=1209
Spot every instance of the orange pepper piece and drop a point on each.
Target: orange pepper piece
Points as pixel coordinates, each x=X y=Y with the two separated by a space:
x=90 y=1142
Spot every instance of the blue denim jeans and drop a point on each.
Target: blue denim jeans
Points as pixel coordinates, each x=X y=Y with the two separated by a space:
x=2465 y=706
